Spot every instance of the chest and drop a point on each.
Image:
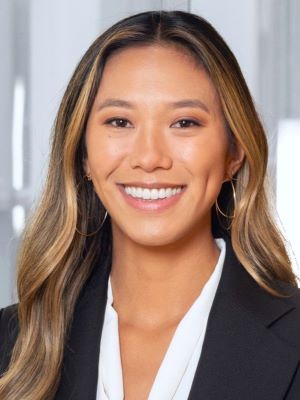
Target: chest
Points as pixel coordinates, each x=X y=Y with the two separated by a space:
x=142 y=353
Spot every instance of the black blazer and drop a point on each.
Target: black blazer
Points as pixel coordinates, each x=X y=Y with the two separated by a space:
x=251 y=349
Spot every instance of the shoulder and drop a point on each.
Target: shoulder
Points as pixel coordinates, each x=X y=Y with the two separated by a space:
x=288 y=326
x=288 y=329
x=8 y=319
x=9 y=328
x=294 y=299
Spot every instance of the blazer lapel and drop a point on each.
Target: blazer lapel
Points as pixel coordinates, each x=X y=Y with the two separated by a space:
x=81 y=357
x=241 y=357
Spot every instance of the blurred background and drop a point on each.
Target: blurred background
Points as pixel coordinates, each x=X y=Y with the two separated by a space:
x=42 y=41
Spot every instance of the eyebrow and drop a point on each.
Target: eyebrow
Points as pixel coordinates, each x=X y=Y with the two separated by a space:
x=112 y=102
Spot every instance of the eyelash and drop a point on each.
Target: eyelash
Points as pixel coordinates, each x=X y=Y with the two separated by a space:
x=109 y=122
x=195 y=123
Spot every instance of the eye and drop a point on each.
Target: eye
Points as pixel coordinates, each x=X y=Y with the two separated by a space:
x=117 y=122
x=187 y=123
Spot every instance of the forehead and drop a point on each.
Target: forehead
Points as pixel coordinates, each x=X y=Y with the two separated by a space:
x=156 y=70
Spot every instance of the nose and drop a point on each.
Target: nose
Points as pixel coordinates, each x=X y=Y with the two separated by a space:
x=150 y=150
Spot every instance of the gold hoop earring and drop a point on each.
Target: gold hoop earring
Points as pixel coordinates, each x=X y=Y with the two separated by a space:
x=93 y=233
x=234 y=201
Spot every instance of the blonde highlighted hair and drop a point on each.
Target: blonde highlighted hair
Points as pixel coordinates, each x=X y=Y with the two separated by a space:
x=55 y=261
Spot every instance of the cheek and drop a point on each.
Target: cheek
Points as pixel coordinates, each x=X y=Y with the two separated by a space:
x=205 y=157
x=104 y=154
x=206 y=162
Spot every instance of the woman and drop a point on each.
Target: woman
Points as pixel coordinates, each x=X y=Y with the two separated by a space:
x=152 y=267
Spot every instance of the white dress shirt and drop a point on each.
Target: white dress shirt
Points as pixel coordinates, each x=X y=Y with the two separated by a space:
x=176 y=372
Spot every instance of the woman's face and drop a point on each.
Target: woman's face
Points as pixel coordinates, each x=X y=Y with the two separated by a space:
x=156 y=121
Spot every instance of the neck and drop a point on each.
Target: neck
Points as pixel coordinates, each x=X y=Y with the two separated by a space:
x=155 y=286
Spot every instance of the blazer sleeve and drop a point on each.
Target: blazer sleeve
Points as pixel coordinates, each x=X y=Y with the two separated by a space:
x=9 y=330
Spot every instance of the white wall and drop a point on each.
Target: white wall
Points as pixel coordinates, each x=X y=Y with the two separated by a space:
x=6 y=98
x=60 y=33
x=6 y=85
x=237 y=22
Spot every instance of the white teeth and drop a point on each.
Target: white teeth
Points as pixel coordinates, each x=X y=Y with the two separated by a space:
x=151 y=194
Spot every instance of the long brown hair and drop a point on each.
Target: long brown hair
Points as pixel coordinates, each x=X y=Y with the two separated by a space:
x=55 y=260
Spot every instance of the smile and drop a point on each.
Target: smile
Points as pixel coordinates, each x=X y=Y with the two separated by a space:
x=146 y=199
x=152 y=194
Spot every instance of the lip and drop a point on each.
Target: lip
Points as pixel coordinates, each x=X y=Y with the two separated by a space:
x=152 y=185
x=157 y=205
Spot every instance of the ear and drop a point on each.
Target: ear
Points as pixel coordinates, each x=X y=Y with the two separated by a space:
x=235 y=161
x=86 y=167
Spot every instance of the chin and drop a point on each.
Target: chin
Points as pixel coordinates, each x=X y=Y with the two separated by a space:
x=155 y=238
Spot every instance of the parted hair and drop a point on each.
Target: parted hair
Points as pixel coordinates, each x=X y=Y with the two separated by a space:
x=55 y=261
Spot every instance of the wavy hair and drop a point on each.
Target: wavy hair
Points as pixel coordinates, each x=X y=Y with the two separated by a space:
x=55 y=260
